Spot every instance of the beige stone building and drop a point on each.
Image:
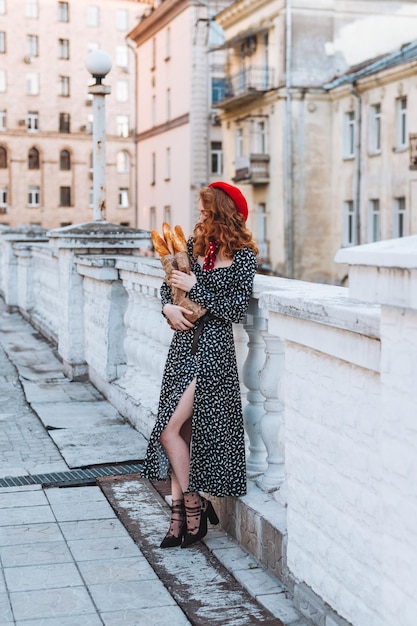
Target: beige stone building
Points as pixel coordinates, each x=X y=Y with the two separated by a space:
x=46 y=112
x=280 y=126
x=179 y=136
x=374 y=152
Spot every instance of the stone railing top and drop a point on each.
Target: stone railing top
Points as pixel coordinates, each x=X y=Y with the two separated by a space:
x=393 y=253
x=99 y=235
x=323 y=304
x=25 y=232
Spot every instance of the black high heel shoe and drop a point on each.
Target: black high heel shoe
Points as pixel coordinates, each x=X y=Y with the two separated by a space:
x=197 y=511
x=171 y=539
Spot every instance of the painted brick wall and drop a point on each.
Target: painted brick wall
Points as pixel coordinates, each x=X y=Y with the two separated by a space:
x=334 y=471
x=399 y=455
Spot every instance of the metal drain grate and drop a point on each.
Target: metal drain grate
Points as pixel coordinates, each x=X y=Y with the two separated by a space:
x=72 y=477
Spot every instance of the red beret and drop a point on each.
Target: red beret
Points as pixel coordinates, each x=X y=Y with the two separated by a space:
x=236 y=195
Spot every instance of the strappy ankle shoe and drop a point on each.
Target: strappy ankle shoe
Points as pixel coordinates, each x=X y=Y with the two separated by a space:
x=197 y=510
x=177 y=526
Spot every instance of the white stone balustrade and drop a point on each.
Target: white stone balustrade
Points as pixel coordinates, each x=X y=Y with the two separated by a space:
x=328 y=378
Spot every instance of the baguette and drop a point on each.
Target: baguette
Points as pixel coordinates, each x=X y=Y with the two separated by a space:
x=159 y=244
x=179 y=240
x=167 y=232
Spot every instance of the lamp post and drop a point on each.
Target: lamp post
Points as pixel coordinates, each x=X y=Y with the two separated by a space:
x=99 y=64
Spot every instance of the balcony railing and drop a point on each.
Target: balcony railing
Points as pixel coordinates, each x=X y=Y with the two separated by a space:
x=253 y=169
x=247 y=84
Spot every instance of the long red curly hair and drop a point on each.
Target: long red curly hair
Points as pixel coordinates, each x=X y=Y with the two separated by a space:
x=222 y=222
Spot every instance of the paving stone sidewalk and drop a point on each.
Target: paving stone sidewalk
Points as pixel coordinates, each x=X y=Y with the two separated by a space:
x=66 y=558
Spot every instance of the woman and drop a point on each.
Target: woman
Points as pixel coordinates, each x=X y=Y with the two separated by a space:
x=200 y=401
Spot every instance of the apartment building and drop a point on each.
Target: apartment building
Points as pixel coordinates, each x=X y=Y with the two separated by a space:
x=280 y=122
x=46 y=112
x=179 y=147
x=374 y=177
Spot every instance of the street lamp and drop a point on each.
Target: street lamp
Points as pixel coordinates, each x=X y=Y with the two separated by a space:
x=99 y=64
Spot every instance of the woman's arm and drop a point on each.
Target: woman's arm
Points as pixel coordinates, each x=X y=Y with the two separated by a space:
x=232 y=305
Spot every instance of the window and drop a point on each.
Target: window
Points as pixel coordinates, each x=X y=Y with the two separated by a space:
x=123 y=198
x=216 y=157
x=3 y=120
x=122 y=57
x=349 y=135
x=259 y=143
x=93 y=15
x=375 y=129
x=373 y=221
x=400 y=218
x=64 y=86
x=64 y=160
x=33 y=121
x=152 y=218
x=33 y=196
x=153 y=169
x=122 y=162
x=31 y=8
x=63 y=11
x=32 y=84
x=167 y=214
x=63 y=49
x=122 y=91
x=3 y=81
x=3 y=198
x=239 y=142
x=168 y=104
x=3 y=158
x=261 y=238
x=64 y=123
x=122 y=19
x=32 y=45
x=33 y=159
x=65 y=196
x=91 y=197
x=401 y=112
x=167 y=44
x=122 y=126
x=217 y=90
x=2 y=42
x=349 y=224
x=2 y=7
x=168 y=164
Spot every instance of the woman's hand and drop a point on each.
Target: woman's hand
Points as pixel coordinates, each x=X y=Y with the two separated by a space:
x=176 y=316
x=183 y=281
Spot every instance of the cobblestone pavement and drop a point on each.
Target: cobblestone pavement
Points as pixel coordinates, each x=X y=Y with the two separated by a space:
x=66 y=558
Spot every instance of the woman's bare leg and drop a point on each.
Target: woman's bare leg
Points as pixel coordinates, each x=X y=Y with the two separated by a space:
x=175 y=439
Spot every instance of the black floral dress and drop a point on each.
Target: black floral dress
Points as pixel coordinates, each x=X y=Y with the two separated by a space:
x=217 y=463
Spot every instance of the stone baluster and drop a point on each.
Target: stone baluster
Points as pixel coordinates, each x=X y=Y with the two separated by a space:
x=157 y=350
x=142 y=319
x=272 y=422
x=130 y=340
x=254 y=409
x=241 y=347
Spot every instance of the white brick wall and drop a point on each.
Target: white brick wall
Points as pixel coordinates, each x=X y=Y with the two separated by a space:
x=399 y=456
x=333 y=468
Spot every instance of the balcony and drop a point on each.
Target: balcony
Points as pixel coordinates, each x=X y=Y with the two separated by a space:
x=253 y=169
x=245 y=86
x=328 y=391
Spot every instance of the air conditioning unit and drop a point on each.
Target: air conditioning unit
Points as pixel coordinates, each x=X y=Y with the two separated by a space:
x=215 y=119
x=83 y=128
x=22 y=122
x=27 y=58
x=3 y=209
